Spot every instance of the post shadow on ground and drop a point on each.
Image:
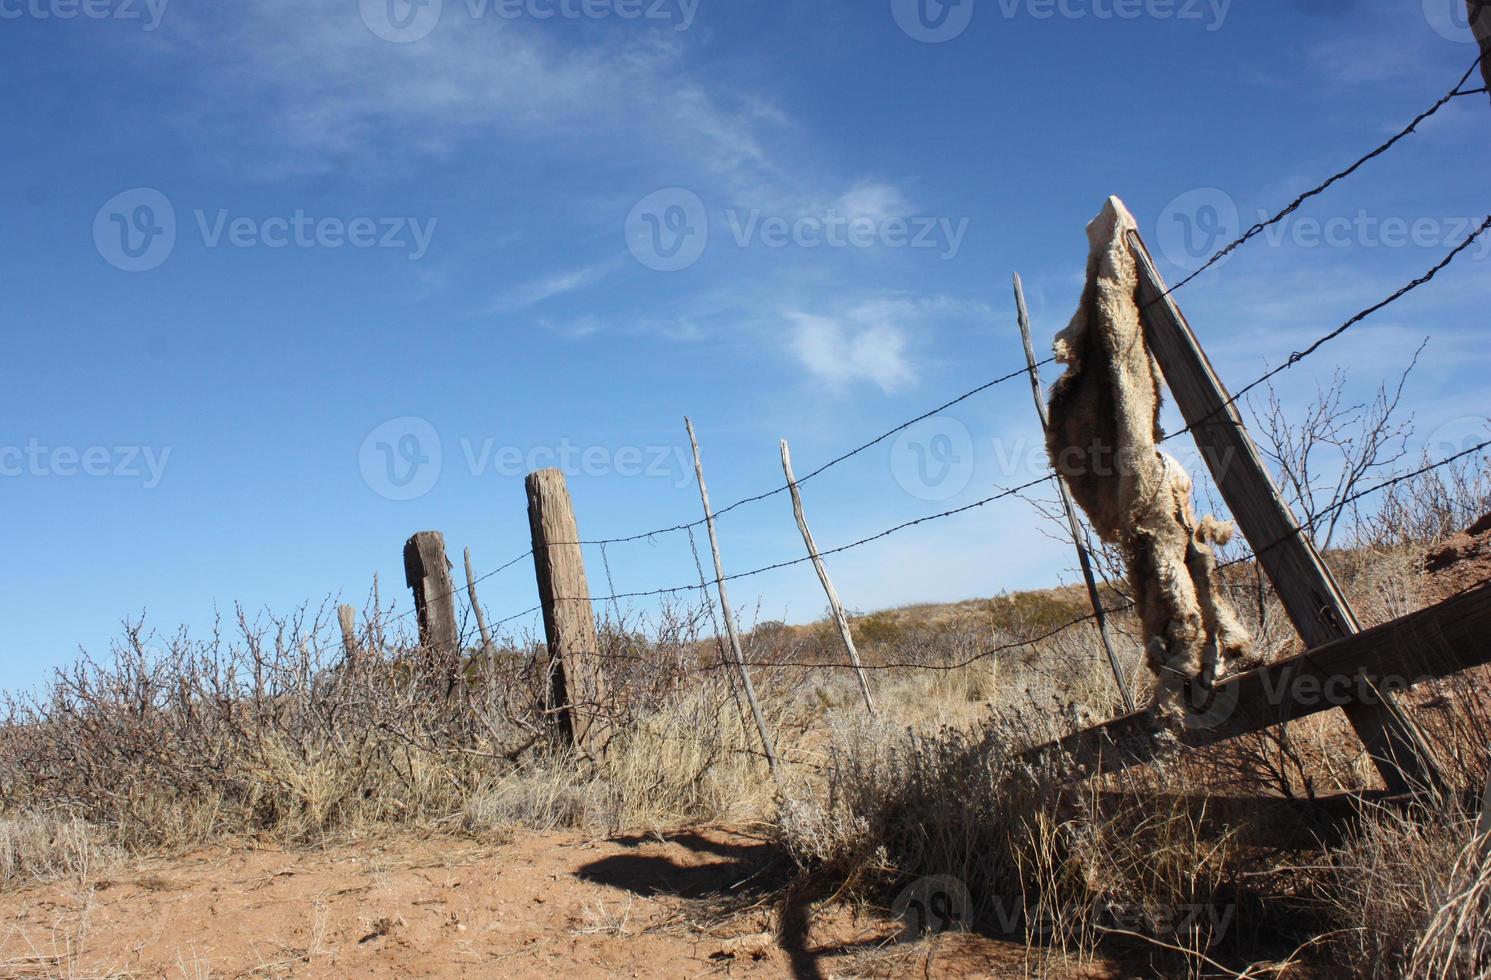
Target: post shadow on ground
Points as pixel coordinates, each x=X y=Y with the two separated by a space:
x=750 y=873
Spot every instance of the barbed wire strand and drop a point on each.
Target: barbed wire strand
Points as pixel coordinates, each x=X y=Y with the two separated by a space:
x=830 y=464
x=1319 y=189
x=1298 y=356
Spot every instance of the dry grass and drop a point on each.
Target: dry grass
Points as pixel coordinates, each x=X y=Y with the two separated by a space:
x=167 y=746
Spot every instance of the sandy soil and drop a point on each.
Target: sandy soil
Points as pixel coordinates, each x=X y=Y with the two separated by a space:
x=706 y=903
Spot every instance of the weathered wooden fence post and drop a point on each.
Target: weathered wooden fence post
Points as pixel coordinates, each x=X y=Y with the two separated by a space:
x=347 y=617
x=840 y=619
x=1074 y=525
x=1305 y=586
x=719 y=576
x=427 y=572
x=576 y=685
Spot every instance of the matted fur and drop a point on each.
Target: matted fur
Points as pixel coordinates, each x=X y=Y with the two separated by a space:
x=1103 y=441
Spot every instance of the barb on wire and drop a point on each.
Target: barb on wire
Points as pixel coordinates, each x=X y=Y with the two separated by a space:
x=831 y=463
x=1298 y=356
x=1295 y=205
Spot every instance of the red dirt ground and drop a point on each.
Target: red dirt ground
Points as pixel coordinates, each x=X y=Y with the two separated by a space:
x=706 y=903
x=1462 y=561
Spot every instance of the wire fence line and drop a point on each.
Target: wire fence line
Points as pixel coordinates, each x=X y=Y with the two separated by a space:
x=1090 y=617
x=1457 y=92
x=1357 y=318
x=705 y=583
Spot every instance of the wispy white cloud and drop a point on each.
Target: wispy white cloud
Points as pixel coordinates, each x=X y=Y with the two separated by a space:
x=843 y=351
x=533 y=293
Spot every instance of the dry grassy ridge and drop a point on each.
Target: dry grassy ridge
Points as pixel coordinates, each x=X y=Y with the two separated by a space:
x=255 y=806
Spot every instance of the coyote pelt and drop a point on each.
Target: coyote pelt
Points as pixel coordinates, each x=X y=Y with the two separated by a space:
x=1103 y=441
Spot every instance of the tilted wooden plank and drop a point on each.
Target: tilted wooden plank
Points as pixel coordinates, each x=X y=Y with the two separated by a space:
x=1306 y=588
x=1432 y=643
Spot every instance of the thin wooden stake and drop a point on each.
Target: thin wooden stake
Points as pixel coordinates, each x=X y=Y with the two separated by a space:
x=376 y=627
x=1073 y=524
x=1306 y=588
x=577 y=687
x=347 y=617
x=719 y=574
x=840 y=619
x=481 y=617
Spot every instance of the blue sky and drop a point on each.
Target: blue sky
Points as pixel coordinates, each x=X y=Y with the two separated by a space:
x=261 y=256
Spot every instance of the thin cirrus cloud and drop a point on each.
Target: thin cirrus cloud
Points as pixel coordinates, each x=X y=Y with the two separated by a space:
x=534 y=293
x=841 y=352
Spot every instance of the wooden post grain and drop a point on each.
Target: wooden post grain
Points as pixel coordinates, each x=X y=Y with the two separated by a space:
x=719 y=575
x=427 y=572
x=577 y=688
x=1305 y=586
x=347 y=617
x=1084 y=559
x=840 y=619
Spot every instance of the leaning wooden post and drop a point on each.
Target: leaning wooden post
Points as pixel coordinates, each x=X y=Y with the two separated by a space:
x=1305 y=586
x=1073 y=525
x=840 y=619
x=481 y=617
x=576 y=685
x=347 y=617
x=427 y=572
x=719 y=577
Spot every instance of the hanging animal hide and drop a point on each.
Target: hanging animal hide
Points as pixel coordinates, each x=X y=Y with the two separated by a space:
x=1103 y=441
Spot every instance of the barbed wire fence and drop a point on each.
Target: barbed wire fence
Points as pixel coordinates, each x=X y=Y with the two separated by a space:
x=705 y=583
